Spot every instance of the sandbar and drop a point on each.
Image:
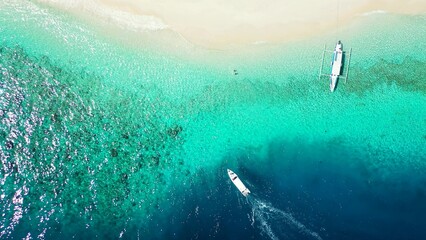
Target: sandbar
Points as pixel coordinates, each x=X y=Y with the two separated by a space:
x=225 y=23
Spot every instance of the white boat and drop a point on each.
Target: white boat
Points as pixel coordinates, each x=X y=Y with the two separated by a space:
x=336 y=65
x=237 y=182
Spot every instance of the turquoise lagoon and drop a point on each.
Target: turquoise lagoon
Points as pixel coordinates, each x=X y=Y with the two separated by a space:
x=106 y=138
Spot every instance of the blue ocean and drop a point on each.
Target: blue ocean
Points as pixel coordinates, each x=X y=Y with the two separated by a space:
x=105 y=138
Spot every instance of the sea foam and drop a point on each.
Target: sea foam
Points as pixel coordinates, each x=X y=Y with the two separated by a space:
x=378 y=11
x=133 y=21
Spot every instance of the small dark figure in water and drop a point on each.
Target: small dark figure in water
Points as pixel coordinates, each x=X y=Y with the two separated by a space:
x=114 y=152
x=235 y=72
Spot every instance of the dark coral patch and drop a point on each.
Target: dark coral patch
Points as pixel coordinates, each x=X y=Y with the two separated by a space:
x=174 y=131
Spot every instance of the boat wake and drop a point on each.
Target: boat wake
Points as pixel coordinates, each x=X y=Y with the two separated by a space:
x=274 y=222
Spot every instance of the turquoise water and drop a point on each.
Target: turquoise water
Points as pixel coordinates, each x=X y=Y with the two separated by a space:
x=102 y=139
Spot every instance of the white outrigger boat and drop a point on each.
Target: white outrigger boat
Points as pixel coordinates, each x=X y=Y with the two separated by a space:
x=336 y=65
x=237 y=182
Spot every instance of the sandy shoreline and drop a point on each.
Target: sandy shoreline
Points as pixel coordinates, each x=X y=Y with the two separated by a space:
x=224 y=23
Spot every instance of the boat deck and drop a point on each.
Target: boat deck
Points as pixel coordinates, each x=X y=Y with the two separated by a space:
x=337 y=63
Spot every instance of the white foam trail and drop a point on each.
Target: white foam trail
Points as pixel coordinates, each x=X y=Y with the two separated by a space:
x=269 y=216
x=264 y=226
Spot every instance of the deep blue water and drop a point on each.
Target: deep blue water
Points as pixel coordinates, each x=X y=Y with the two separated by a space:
x=329 y=190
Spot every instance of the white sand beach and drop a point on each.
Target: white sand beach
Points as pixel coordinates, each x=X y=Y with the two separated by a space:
x=223 y=23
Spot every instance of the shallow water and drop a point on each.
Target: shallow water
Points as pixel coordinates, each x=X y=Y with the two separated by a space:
x=99 y=139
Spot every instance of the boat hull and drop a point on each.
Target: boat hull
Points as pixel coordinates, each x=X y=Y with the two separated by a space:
x=336 y=65
x=333 y=82
x=238 y=183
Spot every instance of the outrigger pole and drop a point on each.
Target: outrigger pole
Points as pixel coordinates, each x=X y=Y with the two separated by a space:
x=349 y=62
x=322 y=63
